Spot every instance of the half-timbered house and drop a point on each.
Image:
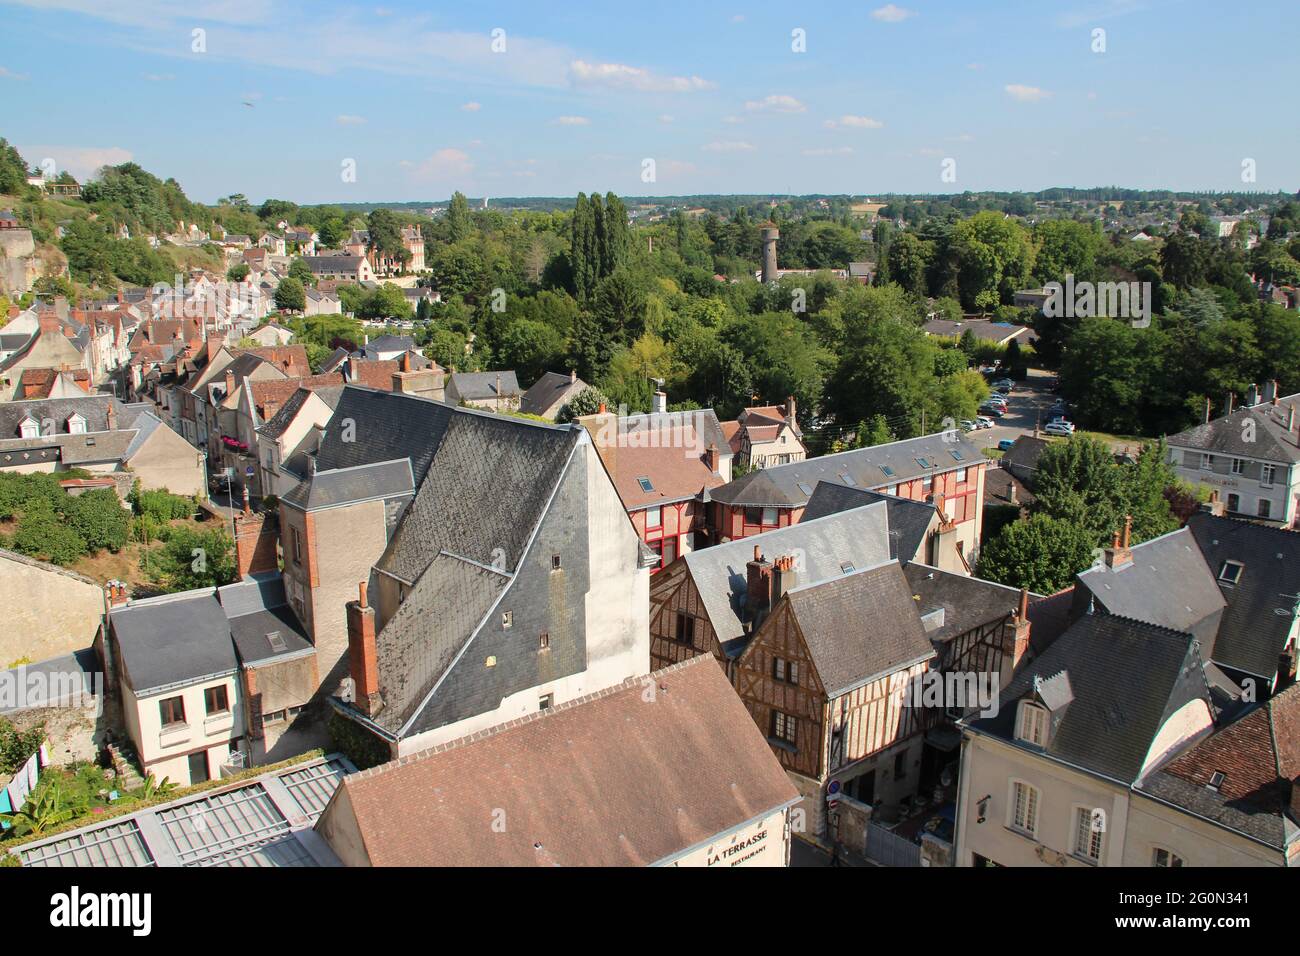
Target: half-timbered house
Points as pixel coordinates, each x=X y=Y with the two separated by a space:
x=826 y=678
x=711 y=601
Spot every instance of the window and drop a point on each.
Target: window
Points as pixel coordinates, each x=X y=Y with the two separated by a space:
x=1216 y=780
x=30 y=428
x=1088 y=831
x=544 y=642
x=555 y=562
x=545 y=702
x=805 y=488
x=654 y=518
x=1024 y=808
x=685 y=629
x=847 y=479
x=1238 y=466
x=1207 y=462
x=214 y=700
x=924 y=462
x=645 y=484
x=887 y=471
x=1032 y=724
x=900 y=765
x=1165 y=858
x=273 y=717
x=1230 y=573
x=1265 y=507
x=507 y=619
x=783 y=727
x=959 y=475
x=297 y=546
x=1267 y=473
x=1234 y=503
x=172 y=711
x=787 y=672
x=76 y=425
x=846 y=567
x=769 y=516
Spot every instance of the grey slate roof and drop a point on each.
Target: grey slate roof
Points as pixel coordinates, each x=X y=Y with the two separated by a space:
x=780 y=485
x=546 y=391
x=173 y=640
x=858 y=538
x=93 y=408
x=387 y=343
x=335 y=360
x=257 y=608
x=966 y=602
x=284 y=417
x=482 y=386
x=1227 y=435
x=388 y=426
x=1127 y=679
x=1024 y=453
x=1261 y=606
x=860 y=626
x=340 y=486
x=1167 y=583
x=908 y=519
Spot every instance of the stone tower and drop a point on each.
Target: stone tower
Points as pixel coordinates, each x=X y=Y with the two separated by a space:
x=770 y=235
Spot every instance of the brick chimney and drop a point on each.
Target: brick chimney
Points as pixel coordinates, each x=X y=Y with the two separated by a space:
x=230 y=383
x=118 y=593
x=758 y=576
x=1119 y=553
x=1231 y=401
x=1016 y=638
x=785 y=577
x=1215 y=505
x=711 y=457
x=1207 y=411
x=362 y=656
x=789 y=409
x=110 y=416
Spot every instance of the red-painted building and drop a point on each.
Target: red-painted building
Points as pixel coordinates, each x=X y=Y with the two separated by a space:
x=663 y=465
x=943 y=466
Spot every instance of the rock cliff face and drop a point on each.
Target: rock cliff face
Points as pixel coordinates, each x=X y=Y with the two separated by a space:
x=20 y=262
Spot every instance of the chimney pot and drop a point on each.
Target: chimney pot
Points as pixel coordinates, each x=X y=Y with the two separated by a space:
x=361 y=593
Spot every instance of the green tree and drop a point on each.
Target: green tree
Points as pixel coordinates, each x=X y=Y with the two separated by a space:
x=100 y=520
x=195 y=559
x=42 y=533
x=530 y=348
x=459 y=224
x=1042 y=554
x=290 y=296
x=586 y=402
x=238 y=272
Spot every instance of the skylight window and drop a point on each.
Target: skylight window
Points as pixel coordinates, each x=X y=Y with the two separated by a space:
x=957 y=456
x=645 y=484
x=276 y=640
x=924 y=462
x=1216 y=779
x=889 y=472
x=803 y=486
x=1230 y=573
x=847 y=479
x=847 y=567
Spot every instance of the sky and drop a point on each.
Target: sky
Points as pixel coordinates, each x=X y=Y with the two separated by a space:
x=318 y=101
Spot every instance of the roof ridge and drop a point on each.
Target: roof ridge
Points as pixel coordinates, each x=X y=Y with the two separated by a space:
x=498 y=729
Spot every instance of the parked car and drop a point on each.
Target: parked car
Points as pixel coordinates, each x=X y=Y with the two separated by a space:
x=1059 y=428
x=967 y=425
x=1005 y=444
x=1061 y=420
x=997 y=411
x=983 y=422
x=1006 y=383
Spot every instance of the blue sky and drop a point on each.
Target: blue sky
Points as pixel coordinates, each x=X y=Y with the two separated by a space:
x=285 y=91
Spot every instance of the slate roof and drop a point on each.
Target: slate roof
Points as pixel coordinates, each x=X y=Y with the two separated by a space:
x=93 y=408
x=1127 y=677
x=340 y=486
x=967 y=602
x=387 y=343
x=287 y=412
x=482 y=386
x=332 y=264
x=388 y=426
x=335 y=360
x=1167 y=583
x=256 y=609
x=858 y=538
x=173 y=639
x=1259 y=757
x=780 y=485
x=982 y=329
x=860 y=626
x=1025 y=453
x=909 y=520
x=1261 y=605
x=548 y=390
x=643 y=782
x=1227 y=435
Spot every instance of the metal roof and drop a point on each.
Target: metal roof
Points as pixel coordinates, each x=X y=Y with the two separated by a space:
x=265 y=821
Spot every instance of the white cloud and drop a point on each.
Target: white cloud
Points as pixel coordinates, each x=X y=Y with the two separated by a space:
x=445 y=164
x=572 y=121
x=347 y=119
x=665 y=118
x=82 y=161
x=829 y=151
x=471 y=107
x=728 y=146
x=1026 y=94
x=620 y=76
x=776 y=103
x=891 y=13
x=854 y=122
x=6 y=74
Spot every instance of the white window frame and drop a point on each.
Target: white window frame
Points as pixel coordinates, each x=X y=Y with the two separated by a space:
x=657 y=514
x=1086 y=844
x=76 y=425
x=29 y=428
x=1207 y=462
x=1267 y=475
x=1031 y=723
x=1026 y=823
x=1238 y=466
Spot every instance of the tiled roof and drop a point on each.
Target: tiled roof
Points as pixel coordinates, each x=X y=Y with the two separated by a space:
x=279 y=390
x=878 y=466
x=667 y=451
x=1128 y=678
x=1259 y=757
x=548 y=390
x=1262 y=602
x=642 y=782
x=885 y=635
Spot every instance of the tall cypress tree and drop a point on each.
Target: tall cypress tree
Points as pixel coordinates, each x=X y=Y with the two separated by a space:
x=579 y=246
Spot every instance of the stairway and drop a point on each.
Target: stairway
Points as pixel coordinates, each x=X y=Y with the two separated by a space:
x=128 y=777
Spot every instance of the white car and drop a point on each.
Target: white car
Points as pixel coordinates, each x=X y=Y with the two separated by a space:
x=983 y=422
x=1059 y=428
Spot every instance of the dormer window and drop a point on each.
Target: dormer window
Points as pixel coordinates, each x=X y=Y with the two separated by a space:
x=1031 y=723
x=1230 y=573
x=76 y=425
x=29 y=428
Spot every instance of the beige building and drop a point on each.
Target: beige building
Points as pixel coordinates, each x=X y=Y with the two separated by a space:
x=50 y=610
x=1049 y=779
x=766 y=435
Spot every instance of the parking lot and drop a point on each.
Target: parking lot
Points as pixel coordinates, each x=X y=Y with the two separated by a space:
x=1027 y=406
